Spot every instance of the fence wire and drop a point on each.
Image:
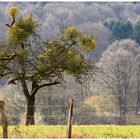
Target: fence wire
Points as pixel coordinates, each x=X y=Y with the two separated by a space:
x=57 y=116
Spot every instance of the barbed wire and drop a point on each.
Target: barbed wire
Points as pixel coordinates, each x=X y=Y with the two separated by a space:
x=59 y=106
x=85 y=116
x=57 y=114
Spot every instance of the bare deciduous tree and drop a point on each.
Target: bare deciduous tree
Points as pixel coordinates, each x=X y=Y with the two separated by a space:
x=118 y=73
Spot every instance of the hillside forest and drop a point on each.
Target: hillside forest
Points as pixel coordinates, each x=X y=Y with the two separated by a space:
x=87 y=51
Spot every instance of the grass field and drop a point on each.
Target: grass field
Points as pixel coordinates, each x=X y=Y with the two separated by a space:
x=79 y=131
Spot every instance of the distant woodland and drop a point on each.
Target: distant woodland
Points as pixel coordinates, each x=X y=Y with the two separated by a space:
x=108 y=93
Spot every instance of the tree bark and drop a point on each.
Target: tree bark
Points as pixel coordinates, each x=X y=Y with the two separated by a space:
x=138 y=97
x=70 y=115
x=122 y=120
x=122 y=111
x=30 y=110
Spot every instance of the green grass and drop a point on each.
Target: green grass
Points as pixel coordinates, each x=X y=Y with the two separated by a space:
x=78 y=131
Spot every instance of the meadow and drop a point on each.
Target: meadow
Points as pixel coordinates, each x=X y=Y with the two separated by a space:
x=78 y=131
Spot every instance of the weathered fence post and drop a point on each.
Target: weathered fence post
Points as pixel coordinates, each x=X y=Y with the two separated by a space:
x=70 y=115
x=4 y=119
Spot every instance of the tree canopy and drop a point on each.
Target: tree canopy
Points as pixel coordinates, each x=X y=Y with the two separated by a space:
x=137 y=32
x=118 y=73
x=121 y=29
x=25 y=57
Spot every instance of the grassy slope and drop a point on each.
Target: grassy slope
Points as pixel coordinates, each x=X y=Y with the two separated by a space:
x=82 y=131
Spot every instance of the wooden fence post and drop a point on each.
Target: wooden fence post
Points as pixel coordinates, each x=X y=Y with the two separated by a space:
x=4 y=119
x=70 y=115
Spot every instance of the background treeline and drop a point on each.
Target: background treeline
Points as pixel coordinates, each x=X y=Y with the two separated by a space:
x=122 y=29
x=112 y=93
x=87 y=17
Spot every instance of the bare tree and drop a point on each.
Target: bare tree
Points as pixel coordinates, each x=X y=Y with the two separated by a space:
x=117 y=74
x=138 y=84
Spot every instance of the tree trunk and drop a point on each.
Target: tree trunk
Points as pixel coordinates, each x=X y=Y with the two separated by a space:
x=138 y=98
x=70 y=115
x=30 y=111
x=122 y=120
x=122 y=111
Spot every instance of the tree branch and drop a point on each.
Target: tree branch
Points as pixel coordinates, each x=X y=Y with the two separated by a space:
x=25 y=89
x=11 y=22
x=50 y=84
x=10 y=57
x=5 y=74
